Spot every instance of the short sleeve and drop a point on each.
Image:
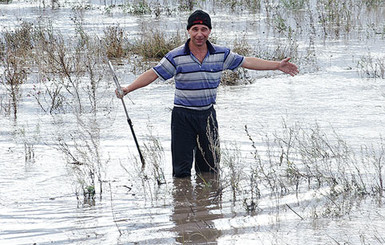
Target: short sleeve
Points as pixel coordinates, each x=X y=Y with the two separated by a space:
x=233 y=61
x=165 y=69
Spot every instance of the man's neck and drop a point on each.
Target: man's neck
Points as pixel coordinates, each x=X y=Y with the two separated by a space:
x=198 y=51
x=202 y=48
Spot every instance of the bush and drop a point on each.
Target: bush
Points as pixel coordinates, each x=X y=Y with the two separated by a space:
x=114 y=38
x=155 y=44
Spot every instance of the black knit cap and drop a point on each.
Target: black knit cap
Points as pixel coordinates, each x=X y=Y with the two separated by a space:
x=199 y=17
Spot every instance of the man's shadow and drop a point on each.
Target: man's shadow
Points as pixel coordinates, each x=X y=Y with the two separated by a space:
x=196 y=205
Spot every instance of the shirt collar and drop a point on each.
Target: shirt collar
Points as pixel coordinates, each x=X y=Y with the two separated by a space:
x=210 y=47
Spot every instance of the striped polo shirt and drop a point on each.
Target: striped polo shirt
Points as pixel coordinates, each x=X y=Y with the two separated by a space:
x=196 y=83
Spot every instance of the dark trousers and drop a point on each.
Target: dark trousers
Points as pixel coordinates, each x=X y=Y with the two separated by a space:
x=194 y=136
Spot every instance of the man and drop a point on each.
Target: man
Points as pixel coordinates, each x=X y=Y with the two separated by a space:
x=196 y=67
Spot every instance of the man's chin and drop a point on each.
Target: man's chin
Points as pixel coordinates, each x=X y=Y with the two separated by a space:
x=199 y=44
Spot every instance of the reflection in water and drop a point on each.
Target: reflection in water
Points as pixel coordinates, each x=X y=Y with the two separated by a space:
x=195 y=206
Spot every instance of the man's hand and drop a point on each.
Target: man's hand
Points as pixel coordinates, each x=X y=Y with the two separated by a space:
x=124 y=91
x=287 y=67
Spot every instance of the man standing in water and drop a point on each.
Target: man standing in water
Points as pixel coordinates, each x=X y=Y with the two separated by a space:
x=197 y=67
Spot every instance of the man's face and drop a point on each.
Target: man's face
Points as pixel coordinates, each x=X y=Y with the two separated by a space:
x=199 y=34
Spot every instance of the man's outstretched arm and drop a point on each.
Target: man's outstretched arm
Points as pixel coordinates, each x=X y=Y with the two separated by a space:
x=261 y=64
x=143 y=80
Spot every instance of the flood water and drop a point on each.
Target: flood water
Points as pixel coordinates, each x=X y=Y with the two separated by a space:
x=41 y=201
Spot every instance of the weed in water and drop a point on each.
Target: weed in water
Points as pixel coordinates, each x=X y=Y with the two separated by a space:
x=186 y=5
x=29 y=143
x=17 y=50
x=372 y=67
x=114 y=40
x=335 y=16
x=83 y=154
x=151 y=180
x=48 y=95
x=293 y=4
x=231 y=159
x=372 y=3
x=154 y=44
x=238 y=77
x=213 y=156
x=113 y=211
x=89 y=192
x=250 y=202
x=140 y=8
x=296 y=158
x=69 y=68
x=154 y=154
x=241 y=75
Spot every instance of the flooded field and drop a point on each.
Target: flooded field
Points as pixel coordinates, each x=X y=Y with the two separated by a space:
x=302 y=157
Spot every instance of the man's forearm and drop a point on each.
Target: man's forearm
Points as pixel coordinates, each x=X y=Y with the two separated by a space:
x=260 y=64
x=143 y=80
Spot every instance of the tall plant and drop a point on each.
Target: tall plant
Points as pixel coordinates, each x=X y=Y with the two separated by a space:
x=17 y=48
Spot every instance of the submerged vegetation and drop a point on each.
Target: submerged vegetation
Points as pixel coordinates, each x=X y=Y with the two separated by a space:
x=67 y=76
x=372 y=67
x=37 y=45
x=68 y=67
x=15 y=53
x=154 y=44
x=297 y=159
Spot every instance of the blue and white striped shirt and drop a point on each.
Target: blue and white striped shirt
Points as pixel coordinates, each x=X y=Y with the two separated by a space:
x=196 y=83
